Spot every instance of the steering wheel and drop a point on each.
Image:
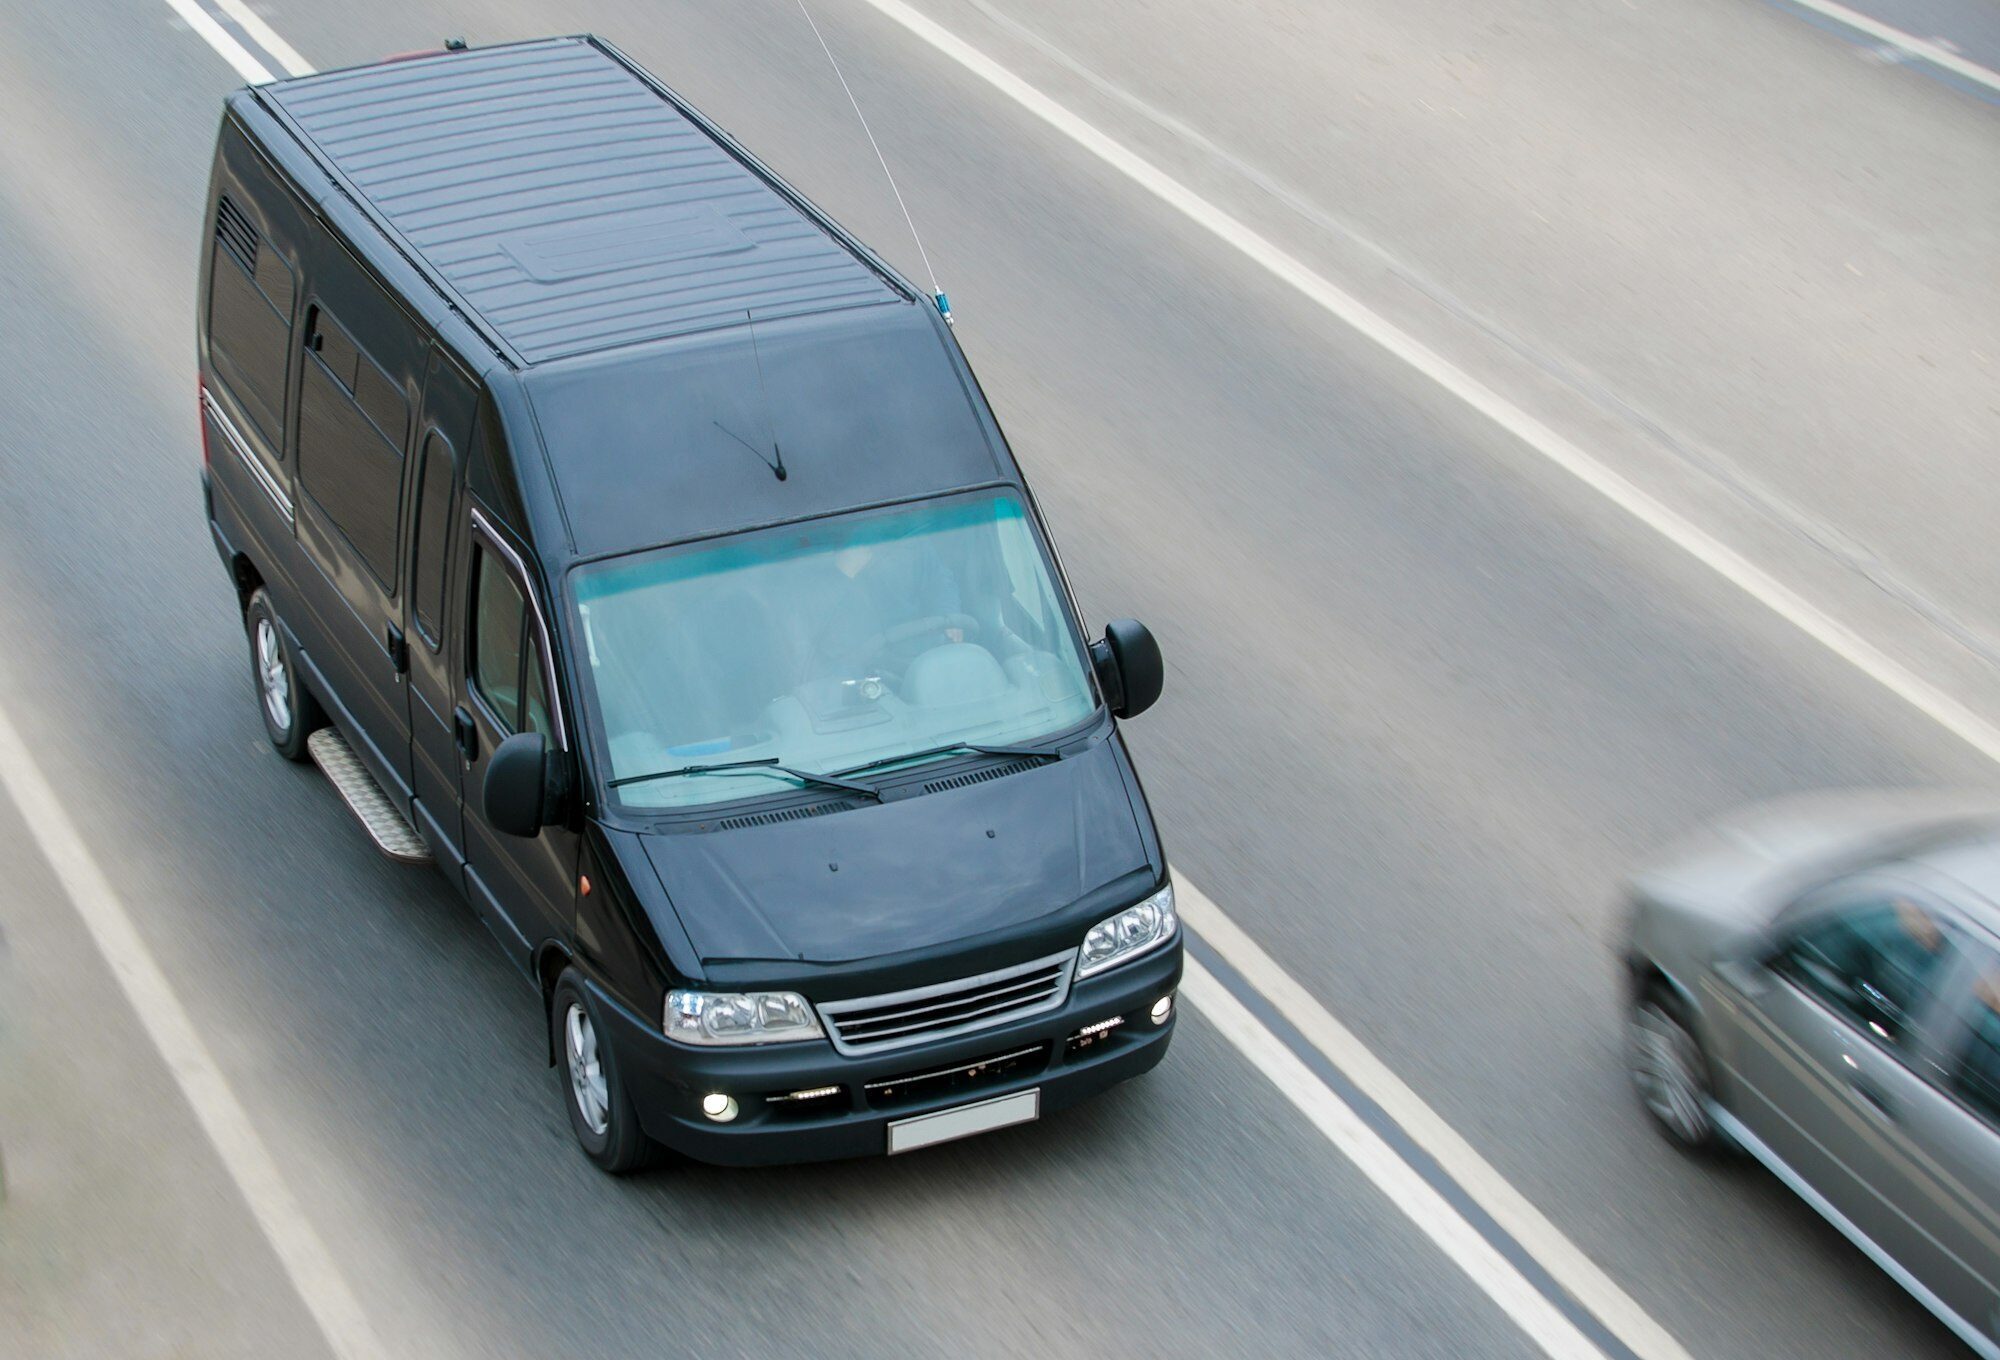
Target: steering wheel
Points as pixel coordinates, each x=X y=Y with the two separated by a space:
x=916 y=628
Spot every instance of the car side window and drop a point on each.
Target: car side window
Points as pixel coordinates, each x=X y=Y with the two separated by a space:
x=1972 y=1068
x=534 y=691
x=1876 y=961
x=498 y=615
x=250 y=319
x=352 y=419
x=434 y=485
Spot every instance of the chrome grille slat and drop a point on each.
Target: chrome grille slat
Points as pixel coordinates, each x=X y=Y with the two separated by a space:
x=1037 y=983
x=923 y=1026
x=874 y=1024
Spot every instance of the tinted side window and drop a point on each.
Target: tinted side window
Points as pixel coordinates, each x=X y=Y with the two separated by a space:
x=432 y=532
x=352 y=420
x=498 y=612
x=1877 y=962
x=534 y=692
x=1972 y=1067
x=250 y=319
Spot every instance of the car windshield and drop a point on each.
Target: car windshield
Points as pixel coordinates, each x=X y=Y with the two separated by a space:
x=825 y=646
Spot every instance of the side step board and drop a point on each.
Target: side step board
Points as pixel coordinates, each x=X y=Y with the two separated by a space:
x=389 y=829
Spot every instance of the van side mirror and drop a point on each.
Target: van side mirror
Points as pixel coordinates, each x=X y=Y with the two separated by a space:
x=516 y=793
x=1129 y=668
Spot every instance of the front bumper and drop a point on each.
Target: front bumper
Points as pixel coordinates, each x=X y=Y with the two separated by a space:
x=666 y=1081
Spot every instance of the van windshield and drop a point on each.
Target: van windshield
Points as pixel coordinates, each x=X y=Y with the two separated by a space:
x=825 y=646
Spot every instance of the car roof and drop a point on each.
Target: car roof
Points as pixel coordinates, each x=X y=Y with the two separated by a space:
x=1966 y=870
x=566 y=203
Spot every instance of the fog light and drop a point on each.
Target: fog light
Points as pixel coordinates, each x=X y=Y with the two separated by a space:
x=719 y=1107
x=1163 y=1009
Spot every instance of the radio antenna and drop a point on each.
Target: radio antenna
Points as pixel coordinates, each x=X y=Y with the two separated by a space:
x=937 y=293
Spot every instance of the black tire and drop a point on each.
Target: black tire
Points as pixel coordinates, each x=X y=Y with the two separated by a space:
x=1670 y=1072
x=620 y=1145
x=293 y=715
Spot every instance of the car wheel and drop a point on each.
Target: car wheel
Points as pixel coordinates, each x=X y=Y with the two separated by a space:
x=1670 y=1071
x=600 y=1113
x=290 y=712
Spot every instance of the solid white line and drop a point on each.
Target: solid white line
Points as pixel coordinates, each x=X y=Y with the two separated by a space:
x=222 y=40
x=1567 y=1265
x=304 y=1257
x=1940 y=57
x=1676 y=528
x=266 y=36
x=1536 y=1315
x=1416 y=1198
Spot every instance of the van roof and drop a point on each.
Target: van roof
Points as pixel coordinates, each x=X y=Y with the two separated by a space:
x=566 y=202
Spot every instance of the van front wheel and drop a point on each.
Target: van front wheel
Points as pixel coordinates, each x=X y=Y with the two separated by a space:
x=290 y=712
x=600 y=1113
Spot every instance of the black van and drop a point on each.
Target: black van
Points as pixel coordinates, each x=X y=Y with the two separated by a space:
x=619 y=534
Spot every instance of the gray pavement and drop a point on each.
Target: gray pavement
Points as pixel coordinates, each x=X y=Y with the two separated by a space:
x=1427 y=698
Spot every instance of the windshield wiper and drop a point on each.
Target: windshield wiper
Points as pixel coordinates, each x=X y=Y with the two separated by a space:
x=831 y=781
x=954 y=748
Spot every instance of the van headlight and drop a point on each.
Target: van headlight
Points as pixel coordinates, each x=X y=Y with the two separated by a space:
x=714 y=1018
x=1143 y=926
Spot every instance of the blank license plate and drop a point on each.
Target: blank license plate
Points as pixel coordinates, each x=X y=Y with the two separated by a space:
x=907 y=1135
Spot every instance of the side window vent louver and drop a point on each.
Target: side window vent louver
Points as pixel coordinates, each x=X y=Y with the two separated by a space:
x=236 y=234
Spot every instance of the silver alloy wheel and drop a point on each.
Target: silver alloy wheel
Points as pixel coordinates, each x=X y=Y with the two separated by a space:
x=275 y=679
x=1668 y=1070
x=587 y=1083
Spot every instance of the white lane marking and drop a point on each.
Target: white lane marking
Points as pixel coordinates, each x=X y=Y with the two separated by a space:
x=1534 y=434
x=1534 y=1313
x=1582 y=1277
x=244 y=1155
x=1413 y=1196
x=1941 y=57
x=266 y=36
x=222 y=40
x=1565 y=1263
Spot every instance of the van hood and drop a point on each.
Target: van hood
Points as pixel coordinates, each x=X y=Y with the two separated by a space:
x=906 y=874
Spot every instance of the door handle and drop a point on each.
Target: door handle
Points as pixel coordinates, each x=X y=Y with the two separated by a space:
x=397 y=646
x=465 y=734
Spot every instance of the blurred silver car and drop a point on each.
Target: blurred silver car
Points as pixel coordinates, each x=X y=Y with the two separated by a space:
x=1817 y=983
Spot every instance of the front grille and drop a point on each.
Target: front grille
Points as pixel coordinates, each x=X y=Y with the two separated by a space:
x=871 y=1024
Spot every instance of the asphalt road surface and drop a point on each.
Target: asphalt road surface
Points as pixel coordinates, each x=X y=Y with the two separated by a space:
x=1430 y=690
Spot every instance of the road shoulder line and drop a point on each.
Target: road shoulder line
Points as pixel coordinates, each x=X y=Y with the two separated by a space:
x=244 y=1155
x=1907 y=43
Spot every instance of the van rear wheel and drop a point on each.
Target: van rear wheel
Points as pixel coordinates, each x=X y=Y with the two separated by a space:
x=290 y=712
